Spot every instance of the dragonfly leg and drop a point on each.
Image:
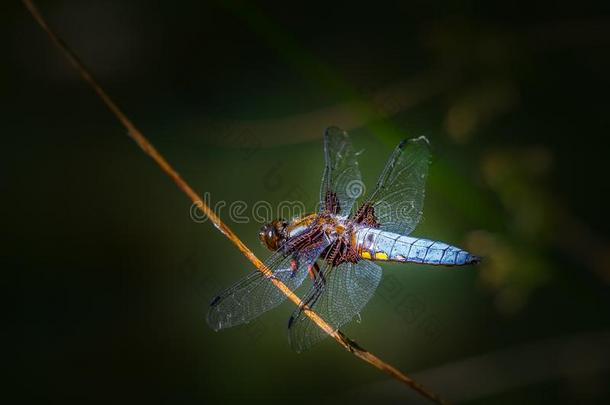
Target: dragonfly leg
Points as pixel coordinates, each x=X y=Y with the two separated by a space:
x=313 y=270
x=319 y=282
x=294 y=265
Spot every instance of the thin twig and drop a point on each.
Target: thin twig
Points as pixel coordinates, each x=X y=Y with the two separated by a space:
x=150 y=150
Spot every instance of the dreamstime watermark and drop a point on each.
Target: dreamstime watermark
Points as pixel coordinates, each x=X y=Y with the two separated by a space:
x=241 y=213
x=355 y=189
x=405 y=214
x=262 y=211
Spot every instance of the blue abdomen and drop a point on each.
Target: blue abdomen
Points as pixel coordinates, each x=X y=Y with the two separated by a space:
x=375 y=244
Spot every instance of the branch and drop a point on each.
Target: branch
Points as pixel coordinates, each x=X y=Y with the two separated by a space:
x=151 y=151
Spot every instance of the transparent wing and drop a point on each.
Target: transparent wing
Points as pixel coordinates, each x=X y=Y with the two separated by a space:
x=342 y=293
x=398 y=199
x=341 y=173
x=256 y=294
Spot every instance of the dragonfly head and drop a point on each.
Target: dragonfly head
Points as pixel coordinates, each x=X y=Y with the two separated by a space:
x=272 y=234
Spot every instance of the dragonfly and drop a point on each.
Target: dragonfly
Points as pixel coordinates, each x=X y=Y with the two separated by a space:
x=338 y=246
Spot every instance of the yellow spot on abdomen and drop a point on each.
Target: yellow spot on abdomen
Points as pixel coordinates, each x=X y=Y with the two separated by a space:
x=381 y=256
x=365 y=254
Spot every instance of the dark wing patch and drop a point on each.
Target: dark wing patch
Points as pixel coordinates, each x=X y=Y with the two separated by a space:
x=341 y=181
x=366 y=216
x=398 y=200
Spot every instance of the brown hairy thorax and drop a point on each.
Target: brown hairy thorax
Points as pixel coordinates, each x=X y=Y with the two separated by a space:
x=341 y=250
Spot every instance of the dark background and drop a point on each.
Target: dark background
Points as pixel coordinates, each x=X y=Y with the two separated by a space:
x=107 y=278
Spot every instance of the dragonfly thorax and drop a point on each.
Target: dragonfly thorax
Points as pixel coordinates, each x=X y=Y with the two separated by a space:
x=334 y=231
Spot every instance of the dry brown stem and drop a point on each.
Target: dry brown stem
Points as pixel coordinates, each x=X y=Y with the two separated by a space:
x=150 y=150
